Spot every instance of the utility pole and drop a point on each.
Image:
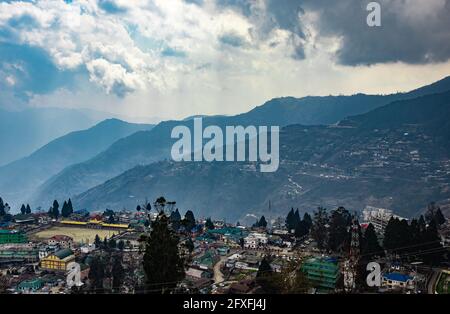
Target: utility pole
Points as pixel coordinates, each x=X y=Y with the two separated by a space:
x=351 y=265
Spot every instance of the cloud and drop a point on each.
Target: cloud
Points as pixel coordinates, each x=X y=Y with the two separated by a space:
x=412 y=31
x=198 y=56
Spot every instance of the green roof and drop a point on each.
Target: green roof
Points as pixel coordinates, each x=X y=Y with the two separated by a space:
x=63 y=253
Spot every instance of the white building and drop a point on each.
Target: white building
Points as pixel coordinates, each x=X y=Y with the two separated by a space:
x=378 y=217
x=255 y=240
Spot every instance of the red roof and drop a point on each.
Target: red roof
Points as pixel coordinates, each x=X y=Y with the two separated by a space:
x=61 y=238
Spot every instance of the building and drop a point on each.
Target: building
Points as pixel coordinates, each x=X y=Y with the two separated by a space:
x=323 y=273
x=397 y=281
x=12 y=236
x=255 y=240
x=18 y=252
x=378 y=217
x=30 y=285
x=59 y=260
x=62 y=241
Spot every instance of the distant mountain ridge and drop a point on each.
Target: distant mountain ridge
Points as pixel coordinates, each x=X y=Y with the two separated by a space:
x=396 y=156
x=151 y=146
x=22 y=132
x=21 y=177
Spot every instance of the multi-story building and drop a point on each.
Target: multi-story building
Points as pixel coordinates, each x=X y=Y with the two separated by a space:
x=12 y=236
x=59 y=260
x=378 y=217
x=255 y=240
x=323 y=273
x=62 y=241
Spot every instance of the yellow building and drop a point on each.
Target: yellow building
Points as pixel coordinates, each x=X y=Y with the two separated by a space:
x=59 y=260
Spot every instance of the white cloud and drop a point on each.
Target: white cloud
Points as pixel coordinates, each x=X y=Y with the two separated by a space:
x=171 y=58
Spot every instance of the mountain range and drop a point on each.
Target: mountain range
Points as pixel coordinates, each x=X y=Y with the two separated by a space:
x=325 y=115
x=395 y=156
x=23 y=132
x=22 y=176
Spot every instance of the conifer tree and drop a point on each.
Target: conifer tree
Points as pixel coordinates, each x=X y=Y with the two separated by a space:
x=162 y=263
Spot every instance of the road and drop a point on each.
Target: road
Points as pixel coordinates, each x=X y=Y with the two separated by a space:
x=433 y=280
x=218 y=276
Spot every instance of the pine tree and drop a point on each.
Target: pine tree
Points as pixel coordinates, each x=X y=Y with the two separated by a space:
x=439 y=218
x=97 y=274
x=340 y=222
x=28 y=209
x=370 y=245
x=319 y=230
x=64 y=210
x=266 y=278
x=162 y=263
x=297 y=219
x=262 y=223
x=290 y=220
x=301 y=230
x=117 y=273
x=23 y=209
x=209 y=224
x=97 y=241
x=2 y=208
x=308 y=220
x=55 y=209
x=175 y=219
x=70 y=207
x=189 y=220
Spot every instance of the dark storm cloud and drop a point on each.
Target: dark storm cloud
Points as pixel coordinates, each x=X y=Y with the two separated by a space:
x=413 y=31
x=404 y=36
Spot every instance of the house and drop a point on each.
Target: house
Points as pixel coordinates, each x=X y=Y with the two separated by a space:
x=255 y=240
x=62 y=241
x=59 y=260
x=87 y=248
x=397 y=281
x=12 y=236
x=30 y=285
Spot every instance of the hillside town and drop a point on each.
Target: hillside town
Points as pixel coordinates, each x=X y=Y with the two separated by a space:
x=76 y=251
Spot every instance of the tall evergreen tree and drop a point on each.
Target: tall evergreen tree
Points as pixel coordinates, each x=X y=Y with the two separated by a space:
x=70 y=207
x=308 y=220
x=28 y=209
x=162 y=263
x=117 y=273
x=175 y=219
x=301 y=229
x=319 y=231
x=290 y=220
x=97 y=274
x=55 y=209
x=2 y=208
x=297 y=218
x=97 y=241
x=65 y=210
x=370 y=245
x=23 y=209
x=340 y=222
x=189 y=220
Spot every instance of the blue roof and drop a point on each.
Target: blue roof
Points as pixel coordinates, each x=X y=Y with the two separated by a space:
x=397 y=277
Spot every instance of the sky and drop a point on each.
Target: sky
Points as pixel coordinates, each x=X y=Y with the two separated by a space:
x=176 y=58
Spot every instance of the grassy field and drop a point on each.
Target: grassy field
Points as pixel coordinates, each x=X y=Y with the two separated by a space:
x=79 y=235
